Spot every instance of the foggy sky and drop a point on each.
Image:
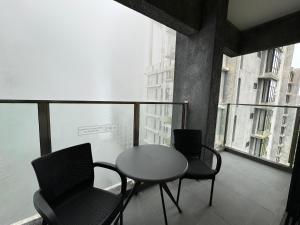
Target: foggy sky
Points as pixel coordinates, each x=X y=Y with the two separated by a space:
x=296 y=57
x=72 y=49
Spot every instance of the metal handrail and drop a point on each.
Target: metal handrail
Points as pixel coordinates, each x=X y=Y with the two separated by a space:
x=262 y=105
x=31 y=101
x=296 y=128
x=45 y=123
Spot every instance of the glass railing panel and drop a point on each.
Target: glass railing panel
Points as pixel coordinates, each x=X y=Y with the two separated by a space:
x=263 y=131
x=220 y=127
x=156 y=123
x=19 y=138
x=108 y=127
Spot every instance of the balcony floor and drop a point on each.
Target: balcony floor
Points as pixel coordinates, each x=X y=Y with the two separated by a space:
x=246 y=193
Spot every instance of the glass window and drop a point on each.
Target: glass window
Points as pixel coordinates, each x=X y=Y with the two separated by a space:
x=257 y=147
x=287 y=99
x=283 y=120
x=273 y=61
x=289 y=89
x=268 y=91
x=291 y=77
x=280 y=140
x=261 y=120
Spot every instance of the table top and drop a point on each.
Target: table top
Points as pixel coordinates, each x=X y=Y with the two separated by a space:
x=152 y=163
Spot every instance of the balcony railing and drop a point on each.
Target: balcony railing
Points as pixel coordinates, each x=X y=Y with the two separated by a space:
x=30 y=128
x=275 y=143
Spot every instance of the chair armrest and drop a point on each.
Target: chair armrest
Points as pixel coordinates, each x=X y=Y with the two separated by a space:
x=111 y=166
x=218 y=156
x=44 y=209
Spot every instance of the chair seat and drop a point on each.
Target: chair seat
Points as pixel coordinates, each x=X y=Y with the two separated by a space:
x=199 y=170
x=91 y=206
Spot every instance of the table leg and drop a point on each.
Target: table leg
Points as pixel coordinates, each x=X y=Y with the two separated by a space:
x=163 y=203
x=167 y=190
x=132 y=192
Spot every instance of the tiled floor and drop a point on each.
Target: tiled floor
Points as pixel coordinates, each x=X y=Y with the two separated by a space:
x=246 y=193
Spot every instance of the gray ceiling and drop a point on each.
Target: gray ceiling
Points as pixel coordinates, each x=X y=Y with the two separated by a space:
x=245 y=14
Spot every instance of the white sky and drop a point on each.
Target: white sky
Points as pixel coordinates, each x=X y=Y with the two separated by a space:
x=72 y=49
x=296 y=57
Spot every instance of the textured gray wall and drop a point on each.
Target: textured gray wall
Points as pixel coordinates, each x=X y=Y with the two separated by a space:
x=198 y=66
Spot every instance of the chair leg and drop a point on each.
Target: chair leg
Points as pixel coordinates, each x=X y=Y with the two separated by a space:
x=121 y=217
x=178 y=191
x=163 y=204
x=211 y=191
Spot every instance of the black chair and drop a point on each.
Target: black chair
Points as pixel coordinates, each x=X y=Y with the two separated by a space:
x=189 y=143
x=67 y=195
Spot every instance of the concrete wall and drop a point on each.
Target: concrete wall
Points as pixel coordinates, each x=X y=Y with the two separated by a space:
x=198 y=66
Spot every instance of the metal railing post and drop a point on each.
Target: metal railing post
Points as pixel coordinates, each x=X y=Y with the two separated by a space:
x=294 y=138
x=44 y=128
x=184 y=115
x=226 y=124
x=136 y=124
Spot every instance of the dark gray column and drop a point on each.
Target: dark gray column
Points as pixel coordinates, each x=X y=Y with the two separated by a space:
x=198 y=66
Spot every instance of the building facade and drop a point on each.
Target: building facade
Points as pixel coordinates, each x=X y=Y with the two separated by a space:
x=157 y=119
x=261 y=80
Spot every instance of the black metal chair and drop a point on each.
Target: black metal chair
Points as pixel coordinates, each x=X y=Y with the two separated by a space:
x=189 y=143
x=67 y=195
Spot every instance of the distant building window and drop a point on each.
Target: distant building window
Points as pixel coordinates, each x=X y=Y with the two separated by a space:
x=282 y=129
x=251 y=115
x=291 y=77
x=259 y=54
x=273 y=60
x=285 y=110
x=261 y=120
x=255 y=86
x=268 y=91
x=283 y=120
x=247 y=144
x=289 y=89
x=169 y=75
x=168 y=94
x=287 y=99
x=258 y=146
x=280 y=140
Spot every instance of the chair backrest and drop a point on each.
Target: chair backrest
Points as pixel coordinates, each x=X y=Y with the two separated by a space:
x=64 y=171
x=187 y=141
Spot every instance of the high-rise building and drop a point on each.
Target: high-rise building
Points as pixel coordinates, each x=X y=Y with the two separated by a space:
x=260 y=79
x=159 y=85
